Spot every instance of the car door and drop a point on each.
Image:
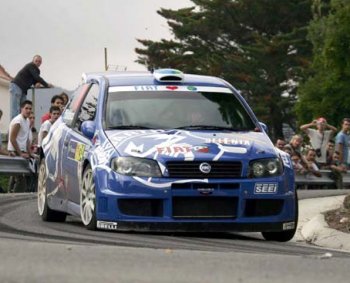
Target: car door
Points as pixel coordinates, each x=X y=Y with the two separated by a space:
x=76 y=145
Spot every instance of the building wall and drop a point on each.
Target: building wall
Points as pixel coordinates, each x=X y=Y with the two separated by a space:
x=4 y=105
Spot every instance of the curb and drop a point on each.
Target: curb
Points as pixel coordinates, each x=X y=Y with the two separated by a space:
x=316 y=231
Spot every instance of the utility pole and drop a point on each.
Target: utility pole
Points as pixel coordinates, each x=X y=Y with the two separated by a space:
x=106 y=65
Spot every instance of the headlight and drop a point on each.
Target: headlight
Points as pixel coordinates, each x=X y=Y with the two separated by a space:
x=133 y=166
x=265 y=168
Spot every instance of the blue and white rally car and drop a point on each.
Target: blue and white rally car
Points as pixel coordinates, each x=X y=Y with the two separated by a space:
x=165 y=151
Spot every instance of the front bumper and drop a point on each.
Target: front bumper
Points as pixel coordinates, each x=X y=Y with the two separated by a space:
x=214 y=205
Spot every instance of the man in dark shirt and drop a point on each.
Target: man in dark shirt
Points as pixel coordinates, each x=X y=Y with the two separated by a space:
x=29 y=75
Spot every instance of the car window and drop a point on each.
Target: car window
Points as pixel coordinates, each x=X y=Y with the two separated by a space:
x=74 y=104
x=164 y=109
x=87 y=110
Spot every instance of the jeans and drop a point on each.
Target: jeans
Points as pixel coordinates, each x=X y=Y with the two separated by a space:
x=17 y=97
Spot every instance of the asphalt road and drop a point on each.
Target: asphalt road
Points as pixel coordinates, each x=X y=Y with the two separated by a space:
x=36 y=251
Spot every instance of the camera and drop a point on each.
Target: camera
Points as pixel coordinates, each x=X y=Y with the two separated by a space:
x=318 y=152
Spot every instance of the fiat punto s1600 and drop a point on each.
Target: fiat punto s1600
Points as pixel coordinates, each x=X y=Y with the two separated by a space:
x=165 y=151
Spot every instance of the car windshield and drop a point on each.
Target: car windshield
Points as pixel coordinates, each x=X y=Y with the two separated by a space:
x=176 y=110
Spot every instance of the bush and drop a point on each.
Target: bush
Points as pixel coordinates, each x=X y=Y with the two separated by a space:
x=4 y=180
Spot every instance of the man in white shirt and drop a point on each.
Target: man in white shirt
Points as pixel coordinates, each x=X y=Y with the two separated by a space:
x=55 y=112
x=319 y=137
x=18 y=144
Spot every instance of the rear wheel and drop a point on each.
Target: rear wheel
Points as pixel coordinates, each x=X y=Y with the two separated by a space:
x=46 y=213
x=284 y=236
x=88 y=199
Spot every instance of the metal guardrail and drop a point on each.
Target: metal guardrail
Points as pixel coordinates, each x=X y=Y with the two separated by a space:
x=324 y=180
x=14 y=166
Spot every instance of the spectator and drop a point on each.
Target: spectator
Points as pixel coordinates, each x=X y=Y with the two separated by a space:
x=55 y=112
x=294 y=145
x=18 y=144
x=56 y=100
x=280 y=143
x=3 y=151
x=342 y=141
x=298 y=167
x=31 y=119
x=319 y=137
x=65 y=99
x=29 y=75
x=330 y=151
x=337 y=169
x=5 y=75
x=311 y=164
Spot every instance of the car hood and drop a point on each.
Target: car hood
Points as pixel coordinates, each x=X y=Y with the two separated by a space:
x=165 y=145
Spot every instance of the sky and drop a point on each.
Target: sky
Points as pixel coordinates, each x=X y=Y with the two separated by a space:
x=71 y=35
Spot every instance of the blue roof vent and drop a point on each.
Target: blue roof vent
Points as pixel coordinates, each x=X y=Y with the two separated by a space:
x=168 y=75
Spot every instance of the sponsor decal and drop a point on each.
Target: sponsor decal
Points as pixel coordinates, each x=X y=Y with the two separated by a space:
x=182 y=149
x=163 y=87
x=288 y=225
x=286 y=160
x=201 y=148
x=174 y=149
x=265 y=188
x=192 y=88
x=107 y=225
x=172 y=87
x=145 y=87
x=79 y=152
x=228 y=141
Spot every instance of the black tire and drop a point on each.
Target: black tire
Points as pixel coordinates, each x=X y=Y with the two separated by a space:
x=46 y=213
x=284 y=236
x=88 y=199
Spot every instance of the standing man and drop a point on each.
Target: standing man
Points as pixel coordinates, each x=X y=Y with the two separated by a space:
x=29 y=75
x=18 y=144
x=342 y=141
x=319 y=137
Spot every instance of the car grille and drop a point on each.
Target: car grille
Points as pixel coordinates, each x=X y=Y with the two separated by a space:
x=189 y=169
x=205 y=207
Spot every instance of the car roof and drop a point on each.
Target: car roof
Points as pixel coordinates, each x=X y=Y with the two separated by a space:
x=147 y=78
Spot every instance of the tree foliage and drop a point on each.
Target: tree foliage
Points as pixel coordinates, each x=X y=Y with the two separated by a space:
x=258 y=46
x=326 y=91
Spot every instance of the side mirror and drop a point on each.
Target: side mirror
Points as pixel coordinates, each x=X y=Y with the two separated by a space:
x=265 y=128
x=88 y=129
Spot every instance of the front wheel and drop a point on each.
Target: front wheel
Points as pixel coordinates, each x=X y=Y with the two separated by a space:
x=284 y=236
x=88 y=199
x=46 y=213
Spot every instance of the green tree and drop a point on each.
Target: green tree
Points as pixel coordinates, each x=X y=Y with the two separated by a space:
x=326 y=91
x=258 y=46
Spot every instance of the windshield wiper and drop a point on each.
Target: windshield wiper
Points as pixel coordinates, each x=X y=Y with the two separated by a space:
x=127 y=127
x=206 y=127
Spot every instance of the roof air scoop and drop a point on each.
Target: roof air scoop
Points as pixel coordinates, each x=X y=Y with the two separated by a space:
x=168 y=75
